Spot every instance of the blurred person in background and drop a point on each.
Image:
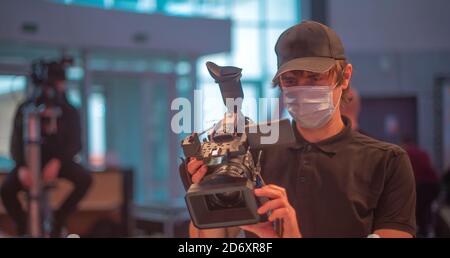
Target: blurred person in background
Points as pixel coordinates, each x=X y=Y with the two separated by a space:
x=427 y=185
x=59 y=145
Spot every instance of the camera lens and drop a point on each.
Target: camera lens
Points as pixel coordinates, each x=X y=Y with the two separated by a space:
x=228 y=199
x=224 y=174
x=225 y=200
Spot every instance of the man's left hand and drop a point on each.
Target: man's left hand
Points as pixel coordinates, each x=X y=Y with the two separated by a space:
x=281 y=210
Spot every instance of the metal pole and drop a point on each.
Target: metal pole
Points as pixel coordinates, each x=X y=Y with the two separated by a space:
x=32 y=139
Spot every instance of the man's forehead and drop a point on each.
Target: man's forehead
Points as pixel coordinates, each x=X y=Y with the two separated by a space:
x=302 y=73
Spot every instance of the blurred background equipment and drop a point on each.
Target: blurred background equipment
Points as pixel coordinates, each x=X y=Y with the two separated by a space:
x=43 y=109
x=45 y=139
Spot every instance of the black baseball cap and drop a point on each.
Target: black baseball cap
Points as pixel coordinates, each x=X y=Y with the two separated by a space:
x=308 y=46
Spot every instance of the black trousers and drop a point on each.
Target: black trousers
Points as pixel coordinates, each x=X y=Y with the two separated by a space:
x=75 y=173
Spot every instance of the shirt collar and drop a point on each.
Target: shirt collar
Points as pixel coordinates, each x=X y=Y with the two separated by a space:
x=330 y=145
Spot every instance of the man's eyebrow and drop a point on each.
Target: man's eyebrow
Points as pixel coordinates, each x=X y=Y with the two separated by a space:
x=288 y=77
x=309 y=75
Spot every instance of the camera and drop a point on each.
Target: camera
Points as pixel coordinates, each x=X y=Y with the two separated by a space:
x=44 y=98
x=45 y=72
x=232 y=152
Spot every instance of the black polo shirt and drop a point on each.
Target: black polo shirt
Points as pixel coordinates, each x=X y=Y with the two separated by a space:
x=346 y=186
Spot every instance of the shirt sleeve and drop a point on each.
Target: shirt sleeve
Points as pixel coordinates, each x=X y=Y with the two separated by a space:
x=396 y=208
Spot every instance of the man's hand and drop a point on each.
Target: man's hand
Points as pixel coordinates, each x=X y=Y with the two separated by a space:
x=281 y=210
x=51 y=170
x=25 y=177
x=197 y=169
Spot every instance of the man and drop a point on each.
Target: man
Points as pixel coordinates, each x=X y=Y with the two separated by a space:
x=335 y=182
x=60 y=144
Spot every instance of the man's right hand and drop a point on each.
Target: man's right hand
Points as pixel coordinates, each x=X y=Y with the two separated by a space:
x=197 y=169
x=25 y=177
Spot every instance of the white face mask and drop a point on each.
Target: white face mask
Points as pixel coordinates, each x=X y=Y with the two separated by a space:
x=311 y=106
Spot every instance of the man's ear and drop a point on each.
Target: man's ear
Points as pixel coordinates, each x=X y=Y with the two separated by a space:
x=347 y=76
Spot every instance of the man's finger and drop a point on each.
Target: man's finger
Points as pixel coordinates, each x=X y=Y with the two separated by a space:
x=281 y=213
x=277 y=188
x=272 y=205
x=194 y=165
x=199 y=174
x=268 y=192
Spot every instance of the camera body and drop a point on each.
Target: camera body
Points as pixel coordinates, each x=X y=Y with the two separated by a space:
x=45 y=72
x=232 y=152
x=45 y=75
x=225 y=196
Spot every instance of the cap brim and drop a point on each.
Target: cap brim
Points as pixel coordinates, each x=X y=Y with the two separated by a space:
x=310 y=64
